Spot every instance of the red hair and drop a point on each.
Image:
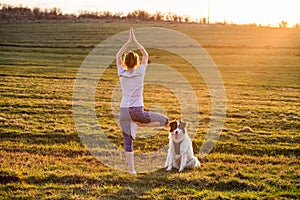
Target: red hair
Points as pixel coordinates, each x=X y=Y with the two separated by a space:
x=131 y=60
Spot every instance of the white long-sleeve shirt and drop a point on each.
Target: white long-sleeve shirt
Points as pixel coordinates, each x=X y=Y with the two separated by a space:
x=132 y=84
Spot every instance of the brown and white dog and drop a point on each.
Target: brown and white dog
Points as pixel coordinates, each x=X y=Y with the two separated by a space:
x=180 y=153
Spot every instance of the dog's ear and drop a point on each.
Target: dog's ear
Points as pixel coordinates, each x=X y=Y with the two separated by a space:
x=182 y=125
x=173 y=126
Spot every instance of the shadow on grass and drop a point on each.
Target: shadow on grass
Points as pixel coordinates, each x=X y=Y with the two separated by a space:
x=161 y=184
x=65 y=180
x=8 y=177
x=55 y=138
x=54 y=144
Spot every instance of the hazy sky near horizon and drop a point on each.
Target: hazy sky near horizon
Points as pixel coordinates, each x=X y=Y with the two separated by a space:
x=237 y=11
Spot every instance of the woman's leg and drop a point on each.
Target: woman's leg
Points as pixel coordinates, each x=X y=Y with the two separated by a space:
x=129 y=155
x=144 y=118
x=151 y=124
x=127 y=142
x=125 y=120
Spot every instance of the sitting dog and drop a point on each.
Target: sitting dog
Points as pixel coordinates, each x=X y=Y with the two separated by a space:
x=180 y=153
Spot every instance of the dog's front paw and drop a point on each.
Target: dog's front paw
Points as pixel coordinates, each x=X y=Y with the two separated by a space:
x=181 y=169
x=169 y=168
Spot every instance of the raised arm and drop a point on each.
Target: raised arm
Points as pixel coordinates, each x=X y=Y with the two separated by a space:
x=122 y=50
x=141 y=48
x=120 y=53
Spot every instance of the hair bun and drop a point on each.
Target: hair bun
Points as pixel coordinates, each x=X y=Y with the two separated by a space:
x=131 y=60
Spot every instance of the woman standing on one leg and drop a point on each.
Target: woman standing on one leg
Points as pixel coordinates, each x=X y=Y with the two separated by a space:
x=132 y=114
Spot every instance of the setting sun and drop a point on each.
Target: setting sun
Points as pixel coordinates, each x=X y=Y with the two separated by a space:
x=255 y=11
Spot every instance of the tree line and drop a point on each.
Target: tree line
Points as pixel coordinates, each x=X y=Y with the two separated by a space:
x=19 y=13
x=10 y=13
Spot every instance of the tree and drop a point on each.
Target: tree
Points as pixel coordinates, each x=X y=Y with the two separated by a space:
x=55 y=11
x=139 y=14
x=169 y=16
x=158 y=16
x=187 y=19
x=203 y=20
x=296 y=25
x=282 y=24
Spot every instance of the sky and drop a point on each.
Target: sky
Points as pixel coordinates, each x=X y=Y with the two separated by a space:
x=264 y=12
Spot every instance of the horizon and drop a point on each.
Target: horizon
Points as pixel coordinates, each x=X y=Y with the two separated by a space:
x=232 y=11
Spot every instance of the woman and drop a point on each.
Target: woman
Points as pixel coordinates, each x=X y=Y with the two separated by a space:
x=132 y=115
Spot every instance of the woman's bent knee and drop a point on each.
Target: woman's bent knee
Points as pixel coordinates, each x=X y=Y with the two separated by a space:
x=166 y=122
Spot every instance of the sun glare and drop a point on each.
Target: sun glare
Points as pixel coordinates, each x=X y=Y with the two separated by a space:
x=255 y=11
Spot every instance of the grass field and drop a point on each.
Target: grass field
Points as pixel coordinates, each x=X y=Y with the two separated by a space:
x=42 y=156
